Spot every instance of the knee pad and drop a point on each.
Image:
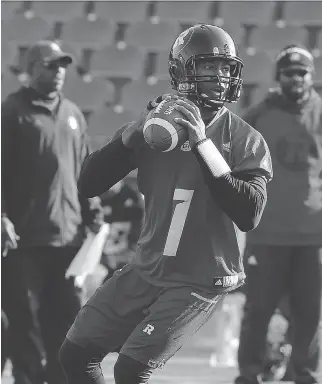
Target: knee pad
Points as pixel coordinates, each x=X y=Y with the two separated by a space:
x=130 y=371
x=81 y=365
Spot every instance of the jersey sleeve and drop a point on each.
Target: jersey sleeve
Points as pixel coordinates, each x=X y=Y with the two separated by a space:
x=105 y=167
x=250 y=152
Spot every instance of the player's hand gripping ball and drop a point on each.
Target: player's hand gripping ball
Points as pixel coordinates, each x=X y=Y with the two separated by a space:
x=160 y=130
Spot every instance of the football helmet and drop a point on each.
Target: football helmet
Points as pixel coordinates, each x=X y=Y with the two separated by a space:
x=199 y=42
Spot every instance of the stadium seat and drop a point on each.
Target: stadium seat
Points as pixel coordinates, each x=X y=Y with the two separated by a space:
x=23 y=31
x=183 y=12
x=8 y=54
x=137 y=94
x=272 y=38
x=257 y=68
x=54 y=11
x=318 y=69
x=303 y=12
x=152 y=37
x=121 y=11
x=236 y=31
x=92 y=34
x=318 y=47
x=9 y=8
x=106 y=121
x=246 y=12
x=121 y=63
x=161 y=65
x=319 y=90
x=9 y=83
x=88 y=95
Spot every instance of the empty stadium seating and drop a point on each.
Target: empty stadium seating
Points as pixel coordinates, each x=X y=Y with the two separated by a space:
x=187 y=12
x=318 y=46
x=236 y=31
x=114 y=62
x=23 y=31
x=246 y=12
x=303 y=12
x=106 y=121
x=55 y=11
x=8 y=53
x=137 y=94
x=318 y=70
x=84 y=33
x=272 y=38
x=88 y=94
x=257 y=67
x=9 y=8
x=152 y=36
x=161 y=65
x=121 y=11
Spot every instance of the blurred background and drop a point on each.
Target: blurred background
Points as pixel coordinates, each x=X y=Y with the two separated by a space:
x=121 y=47
x=121 y=50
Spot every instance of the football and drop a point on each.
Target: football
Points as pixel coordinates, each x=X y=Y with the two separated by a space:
x=160 y=130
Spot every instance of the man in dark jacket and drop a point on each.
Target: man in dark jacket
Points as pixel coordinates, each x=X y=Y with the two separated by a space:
x=285 y=251
x=44 y=219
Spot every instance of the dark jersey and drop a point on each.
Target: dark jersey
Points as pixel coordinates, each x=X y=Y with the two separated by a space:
x=186 y=236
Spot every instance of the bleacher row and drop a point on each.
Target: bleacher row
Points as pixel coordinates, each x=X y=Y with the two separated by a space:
x=121 y=47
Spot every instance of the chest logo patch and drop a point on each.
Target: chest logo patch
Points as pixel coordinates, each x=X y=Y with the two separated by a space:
x=72 y=122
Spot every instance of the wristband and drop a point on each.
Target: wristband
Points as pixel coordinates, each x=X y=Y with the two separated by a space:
x=212 y=157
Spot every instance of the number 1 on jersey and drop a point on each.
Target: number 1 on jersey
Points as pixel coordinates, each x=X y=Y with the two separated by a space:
x=182 y=199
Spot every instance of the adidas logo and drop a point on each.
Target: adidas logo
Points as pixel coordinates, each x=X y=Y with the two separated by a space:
x=218 y=282
x=185 y=146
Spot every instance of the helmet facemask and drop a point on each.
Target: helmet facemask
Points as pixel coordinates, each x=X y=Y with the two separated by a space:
x=188 y=82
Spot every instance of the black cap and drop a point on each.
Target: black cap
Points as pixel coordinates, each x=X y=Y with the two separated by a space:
x=46 y=51
x=294 y=57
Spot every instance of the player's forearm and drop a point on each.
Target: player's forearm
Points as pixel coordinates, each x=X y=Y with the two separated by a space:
x=243 y=201
x=241 y=196
x=104 y=168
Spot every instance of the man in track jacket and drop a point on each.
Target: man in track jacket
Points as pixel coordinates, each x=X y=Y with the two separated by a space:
x=44 y=219
x=285 y=251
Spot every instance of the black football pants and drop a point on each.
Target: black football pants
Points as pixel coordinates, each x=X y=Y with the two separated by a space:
x=274 y=271
x=41 y=306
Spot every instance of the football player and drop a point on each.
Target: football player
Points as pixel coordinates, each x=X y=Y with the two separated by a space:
x=197 y=198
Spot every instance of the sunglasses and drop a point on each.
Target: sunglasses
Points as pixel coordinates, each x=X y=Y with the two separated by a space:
x=53 y=65
x=294 y=72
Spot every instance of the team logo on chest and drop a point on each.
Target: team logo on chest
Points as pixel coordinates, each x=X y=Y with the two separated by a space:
x=72 y=122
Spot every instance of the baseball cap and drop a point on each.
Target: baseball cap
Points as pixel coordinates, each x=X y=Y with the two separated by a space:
x=46 y=51
x=294 y=57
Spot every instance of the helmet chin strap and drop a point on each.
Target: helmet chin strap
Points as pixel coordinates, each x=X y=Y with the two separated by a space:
x=208 y=103
x=203 y=101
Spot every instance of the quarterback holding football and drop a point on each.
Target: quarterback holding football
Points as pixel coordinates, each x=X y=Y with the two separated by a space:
x=203 y=173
